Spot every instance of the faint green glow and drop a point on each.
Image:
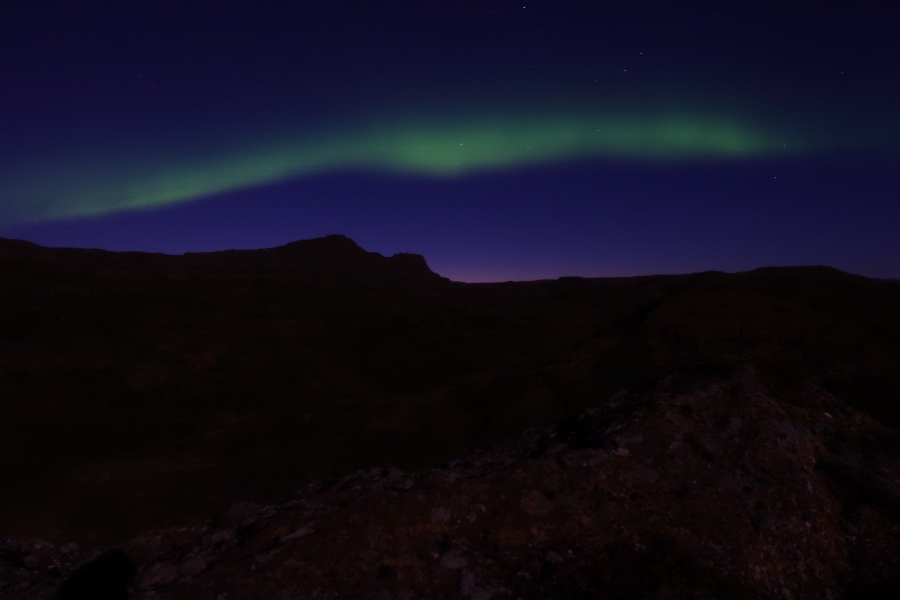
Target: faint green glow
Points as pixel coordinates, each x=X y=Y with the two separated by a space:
x=447 y=150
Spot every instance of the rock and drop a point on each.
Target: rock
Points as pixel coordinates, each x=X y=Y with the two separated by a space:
x=469 y=588
x=453 y=561
x=219 y=537
x=535 y=503
x=191 y=566
x=404 y=484
x=467 y=581
x=387 y=573
x=158 y=575
x=642 y=475
x=440 y=514
x=870 y=486
x=298 y=533
x=242 y=514
x=553 y=557
x=606 y=512
x=762 y=517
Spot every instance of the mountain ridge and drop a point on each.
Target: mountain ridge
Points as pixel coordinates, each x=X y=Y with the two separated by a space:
x=336 y=251
x=337 y=254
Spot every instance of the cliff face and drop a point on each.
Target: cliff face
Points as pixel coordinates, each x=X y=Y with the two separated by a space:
x=704 y=487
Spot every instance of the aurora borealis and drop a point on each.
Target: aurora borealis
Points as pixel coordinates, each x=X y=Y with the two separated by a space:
x=141 y=109
x=449 y=151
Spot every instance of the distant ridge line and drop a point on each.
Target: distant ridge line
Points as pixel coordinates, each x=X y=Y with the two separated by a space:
x=338 y=250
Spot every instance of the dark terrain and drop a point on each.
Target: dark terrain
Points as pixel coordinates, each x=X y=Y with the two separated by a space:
x=707 y=435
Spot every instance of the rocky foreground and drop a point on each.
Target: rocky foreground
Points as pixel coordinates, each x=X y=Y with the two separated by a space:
x=705 y=487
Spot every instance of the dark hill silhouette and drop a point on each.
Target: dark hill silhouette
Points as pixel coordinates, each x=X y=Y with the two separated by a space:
x=331 y=256
x=145 y=390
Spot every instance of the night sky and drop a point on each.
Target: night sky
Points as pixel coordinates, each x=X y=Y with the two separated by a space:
x=501 y=140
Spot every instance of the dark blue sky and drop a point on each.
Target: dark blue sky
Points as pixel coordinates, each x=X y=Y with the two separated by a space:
x=501 y=140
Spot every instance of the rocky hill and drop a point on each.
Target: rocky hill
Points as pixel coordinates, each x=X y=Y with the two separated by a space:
x=172 y=406
x=706 y=486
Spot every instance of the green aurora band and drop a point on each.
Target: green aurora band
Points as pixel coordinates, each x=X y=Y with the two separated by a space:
x=83 y=187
